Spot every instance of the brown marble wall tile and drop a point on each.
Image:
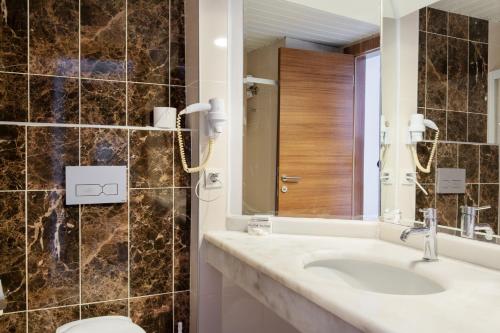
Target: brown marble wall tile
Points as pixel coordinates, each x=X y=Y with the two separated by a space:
x=446 y=206
x=12 y=157
x=422 y=73
x=53 y=251
x=154 y=314
x=13 y=323
x=54 y=99
x=422 y=19
x=181 y=177
x=468 y=159
x=104 y=252
x=13 y=250
x=13 y=97
x=437 y=21
x=148 y=41
x=456 y=123
x=488 y=164
x=151 y=159
x=181 y=311
x=447 y=155
x=103 y=146
x=424 y=201
x=178 y=101
x=436 y=67
x=458 y=26
x=457 y=74
x=103 y=39
x=488 y=196
x=113 y=308
x=478 y=30
x=478 y=77
x=142 y=98
x=103 y=102
x=439 y=117
x=44 y=321
x=14 y=36
x=470 y=197
x=50 y=149
x=423 y=152
x=151 y=240
x=182 y=238
x=177 y=43
x=477 y=127
x=54 y=37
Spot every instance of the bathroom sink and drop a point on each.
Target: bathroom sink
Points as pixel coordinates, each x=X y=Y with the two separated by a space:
x=373 y=276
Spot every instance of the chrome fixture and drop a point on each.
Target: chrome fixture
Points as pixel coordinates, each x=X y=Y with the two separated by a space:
x=430 y=231
x=468 y=222
x=3 y=300
x=290 y=179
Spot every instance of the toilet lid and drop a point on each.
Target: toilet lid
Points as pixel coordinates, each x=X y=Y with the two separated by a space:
x=109 y=324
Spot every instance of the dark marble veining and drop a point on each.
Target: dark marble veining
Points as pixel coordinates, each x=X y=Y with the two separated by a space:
x=181 y=311
x=151 y=241
x=422 y=73
x=13 y=323
x=14 y=36
x=53 y=254
x=438 y=117
x=422 y=19
x=468 y=159
x=458 y=26
x=13 y=250
x=49 y=151
x=103 y=102
x=154 y=314
x=423 y=151
x=113 y=308
x=177 y=43
x=470 y=198
x=477 y=127
x=13 y=97
x=456 y=123
x=436 y=67
x=478 y=77
x=54 y=37
x=182 y=238
x=151 y=159
x=148 y=41
x=457 y=74
x=437 y=21
x=12 y=157
x=103 y=146
x=44 y=321
x=104 y=252
x=446 y=205
x=142 y=98
x=488 y=196
x=488 y=164
x=478 y=30
x=103 y=39
x=424 y=201
x=54 y=99
x=447 y=155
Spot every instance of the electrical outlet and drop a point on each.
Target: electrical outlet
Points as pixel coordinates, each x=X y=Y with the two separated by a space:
x=213 y=179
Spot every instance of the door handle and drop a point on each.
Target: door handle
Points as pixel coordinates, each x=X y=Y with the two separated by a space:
x=290 y=179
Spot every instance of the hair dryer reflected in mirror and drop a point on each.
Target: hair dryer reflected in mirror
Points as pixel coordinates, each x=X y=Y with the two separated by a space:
x=416 y=132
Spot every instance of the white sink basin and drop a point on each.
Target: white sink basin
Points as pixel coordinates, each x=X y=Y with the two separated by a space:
x=373 y=276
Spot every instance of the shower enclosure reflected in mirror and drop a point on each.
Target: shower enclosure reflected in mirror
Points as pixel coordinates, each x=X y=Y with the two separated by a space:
x=311 y=109
x=440 y=104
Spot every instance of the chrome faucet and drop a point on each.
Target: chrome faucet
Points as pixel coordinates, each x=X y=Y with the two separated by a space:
x=3 y=301
x=468 y=222
x=429 y=230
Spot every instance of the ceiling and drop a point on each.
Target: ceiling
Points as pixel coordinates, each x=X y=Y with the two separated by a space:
x=268 y=20
x=485 y=9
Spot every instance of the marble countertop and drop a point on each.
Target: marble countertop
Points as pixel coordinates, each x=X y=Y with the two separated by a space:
x=470 y=303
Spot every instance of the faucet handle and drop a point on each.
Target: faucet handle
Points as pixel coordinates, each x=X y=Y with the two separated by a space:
x=472 y=210
x=429 y=213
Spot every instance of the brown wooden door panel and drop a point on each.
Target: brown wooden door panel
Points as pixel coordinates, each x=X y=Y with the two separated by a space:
x=316 y=133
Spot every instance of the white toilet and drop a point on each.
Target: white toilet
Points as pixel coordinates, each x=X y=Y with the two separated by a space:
x=109 y=324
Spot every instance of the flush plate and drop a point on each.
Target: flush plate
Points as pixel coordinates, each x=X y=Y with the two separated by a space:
x=96 y=184
x=450 y=181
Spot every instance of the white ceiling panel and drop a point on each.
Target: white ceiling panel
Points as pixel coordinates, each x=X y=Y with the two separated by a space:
x=268 y=20
x=485 y=9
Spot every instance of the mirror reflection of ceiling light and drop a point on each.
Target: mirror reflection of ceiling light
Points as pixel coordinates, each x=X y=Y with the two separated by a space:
x=221 y=42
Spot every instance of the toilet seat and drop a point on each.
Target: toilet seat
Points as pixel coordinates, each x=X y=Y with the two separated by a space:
x=108 y=324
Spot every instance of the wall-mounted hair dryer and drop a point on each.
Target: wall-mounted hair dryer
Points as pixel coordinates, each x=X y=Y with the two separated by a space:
x=216 y=118
x=416 y=132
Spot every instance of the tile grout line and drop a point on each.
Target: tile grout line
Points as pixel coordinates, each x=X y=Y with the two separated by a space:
x=128 y=159
x=26 y=241
x=80 y=148
x=66 y=125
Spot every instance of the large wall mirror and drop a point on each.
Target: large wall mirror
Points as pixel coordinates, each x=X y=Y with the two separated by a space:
x=311 y=108
x=440 y=104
